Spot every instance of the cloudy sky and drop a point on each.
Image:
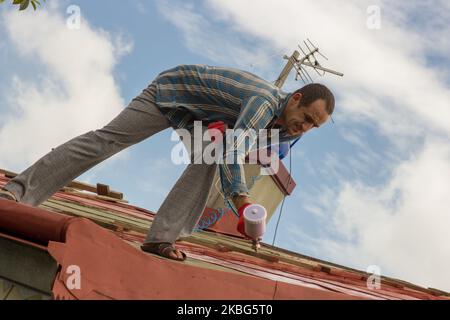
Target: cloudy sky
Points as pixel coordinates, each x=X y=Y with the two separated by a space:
x=373 y=188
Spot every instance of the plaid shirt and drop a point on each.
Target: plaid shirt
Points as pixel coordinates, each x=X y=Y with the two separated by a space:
x=189 y=93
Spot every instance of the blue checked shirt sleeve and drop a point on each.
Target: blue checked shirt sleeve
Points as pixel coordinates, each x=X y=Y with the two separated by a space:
x=256 y=114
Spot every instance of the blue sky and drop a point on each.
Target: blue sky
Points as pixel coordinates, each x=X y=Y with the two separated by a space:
x=371 y=188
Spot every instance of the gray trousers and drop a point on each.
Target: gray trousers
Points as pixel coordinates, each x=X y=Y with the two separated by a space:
x=183 y=206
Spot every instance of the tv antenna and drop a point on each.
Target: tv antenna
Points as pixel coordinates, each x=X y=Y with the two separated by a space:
x=301 y=64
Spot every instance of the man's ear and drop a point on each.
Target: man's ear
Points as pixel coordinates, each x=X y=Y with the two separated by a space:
x=297 y=96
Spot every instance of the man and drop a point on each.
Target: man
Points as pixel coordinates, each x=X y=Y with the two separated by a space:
x=176 y=99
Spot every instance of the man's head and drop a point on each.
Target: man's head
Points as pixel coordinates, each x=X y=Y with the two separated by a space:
x=307 y=108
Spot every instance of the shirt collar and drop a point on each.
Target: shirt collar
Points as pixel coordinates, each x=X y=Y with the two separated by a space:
x=284 y=98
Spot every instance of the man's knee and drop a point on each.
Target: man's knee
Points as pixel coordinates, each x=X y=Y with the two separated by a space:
x=108 y=137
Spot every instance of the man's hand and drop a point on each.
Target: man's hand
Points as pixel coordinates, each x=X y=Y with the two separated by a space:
x=239 y=201
x=217 y=131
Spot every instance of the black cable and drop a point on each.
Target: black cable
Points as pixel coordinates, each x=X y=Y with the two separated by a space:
x=284 y=198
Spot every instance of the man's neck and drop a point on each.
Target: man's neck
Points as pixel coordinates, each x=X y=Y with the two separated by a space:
x=280 y=121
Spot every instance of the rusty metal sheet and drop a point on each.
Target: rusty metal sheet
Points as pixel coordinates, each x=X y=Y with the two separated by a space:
x=31 y=223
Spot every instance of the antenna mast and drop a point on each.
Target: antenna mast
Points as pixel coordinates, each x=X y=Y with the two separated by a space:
x=300 y=64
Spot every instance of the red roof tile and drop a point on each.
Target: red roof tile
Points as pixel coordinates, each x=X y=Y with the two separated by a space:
x=113 y=268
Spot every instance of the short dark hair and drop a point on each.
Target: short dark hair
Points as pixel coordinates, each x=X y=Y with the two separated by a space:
x=315 y=91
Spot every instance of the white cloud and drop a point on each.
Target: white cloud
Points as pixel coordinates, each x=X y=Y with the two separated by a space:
x=396 y=87
x=215 y=44
x=74 y=92
x=401 y=226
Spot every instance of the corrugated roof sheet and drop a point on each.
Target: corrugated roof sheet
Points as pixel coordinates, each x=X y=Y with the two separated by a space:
x=114 y=268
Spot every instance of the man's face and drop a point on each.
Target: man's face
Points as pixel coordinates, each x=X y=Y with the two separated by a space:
x=299 y=120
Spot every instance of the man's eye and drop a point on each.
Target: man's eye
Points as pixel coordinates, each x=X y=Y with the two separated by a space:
x=309 y=119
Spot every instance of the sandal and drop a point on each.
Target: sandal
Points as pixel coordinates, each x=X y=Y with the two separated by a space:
x=5 y=194
x=162 y=249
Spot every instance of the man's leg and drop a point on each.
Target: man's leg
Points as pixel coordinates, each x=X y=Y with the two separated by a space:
x=138 y=121
x=183 y=207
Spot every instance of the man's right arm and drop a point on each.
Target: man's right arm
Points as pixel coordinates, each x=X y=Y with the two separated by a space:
x=256 y=115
